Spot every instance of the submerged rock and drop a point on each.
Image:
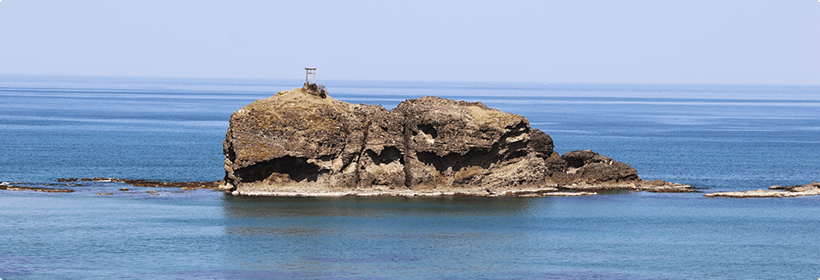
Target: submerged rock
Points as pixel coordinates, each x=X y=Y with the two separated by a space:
x=303 y=143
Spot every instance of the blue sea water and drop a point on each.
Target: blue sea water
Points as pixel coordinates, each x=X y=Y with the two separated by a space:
x=716 y=137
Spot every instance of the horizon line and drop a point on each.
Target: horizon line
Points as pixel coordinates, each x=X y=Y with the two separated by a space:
x=399 y=81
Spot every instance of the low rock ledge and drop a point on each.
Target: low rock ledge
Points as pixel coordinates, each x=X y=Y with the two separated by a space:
x=776 y=191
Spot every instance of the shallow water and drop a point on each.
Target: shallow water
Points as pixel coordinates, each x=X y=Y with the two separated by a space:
x=714 y=137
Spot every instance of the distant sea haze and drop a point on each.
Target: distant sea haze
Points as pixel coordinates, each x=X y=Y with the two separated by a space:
x=720 y=138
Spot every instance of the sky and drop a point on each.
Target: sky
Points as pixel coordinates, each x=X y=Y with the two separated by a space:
x=659 y=42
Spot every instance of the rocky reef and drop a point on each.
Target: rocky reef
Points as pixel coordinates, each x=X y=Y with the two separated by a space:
x=11 y=187
x=302 y=142
x=775 y=191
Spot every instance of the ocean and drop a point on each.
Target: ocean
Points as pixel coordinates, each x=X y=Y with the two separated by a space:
x=714 y=137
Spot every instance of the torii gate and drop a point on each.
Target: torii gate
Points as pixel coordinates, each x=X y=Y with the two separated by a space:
x=308 y=71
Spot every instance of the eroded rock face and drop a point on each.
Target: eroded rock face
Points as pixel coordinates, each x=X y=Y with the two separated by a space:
x=463 y=145
x=590 y=167
x=296 y=139
x=302 y=141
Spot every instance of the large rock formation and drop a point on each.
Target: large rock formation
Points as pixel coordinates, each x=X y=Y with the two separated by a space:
x=303 y=142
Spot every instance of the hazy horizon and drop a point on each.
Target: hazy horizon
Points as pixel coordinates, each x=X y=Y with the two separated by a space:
x=577 y=42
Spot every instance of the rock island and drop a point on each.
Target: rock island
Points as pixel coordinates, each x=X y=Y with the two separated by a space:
x=302 y=142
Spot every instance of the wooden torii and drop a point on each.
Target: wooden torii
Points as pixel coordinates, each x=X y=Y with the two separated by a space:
x=308 y=71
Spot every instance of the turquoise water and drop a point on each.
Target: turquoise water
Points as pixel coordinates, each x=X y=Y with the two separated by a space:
x=714 y=137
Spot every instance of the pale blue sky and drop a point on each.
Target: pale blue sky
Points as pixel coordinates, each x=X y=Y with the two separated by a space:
x=693 y=41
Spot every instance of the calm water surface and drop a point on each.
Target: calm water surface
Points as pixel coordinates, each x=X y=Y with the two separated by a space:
x=714 y=137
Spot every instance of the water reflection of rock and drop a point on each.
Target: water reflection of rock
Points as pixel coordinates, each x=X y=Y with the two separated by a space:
x=361 y=235
x=381 y=207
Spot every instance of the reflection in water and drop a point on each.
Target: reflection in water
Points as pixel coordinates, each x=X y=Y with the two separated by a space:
x=272 y=274
x=258 y=207
x=240 y=230
x=615 y=192
x=364 y=236
x=372 y=258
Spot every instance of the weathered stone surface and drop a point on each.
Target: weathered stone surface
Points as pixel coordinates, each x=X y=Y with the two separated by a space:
x=304 y=142
x=36 y=189
x=296 y=139
x=463 y=145
x=381 y=163
x=658 y=186
x=790 y=191
x=589 y=167
x=797 y=188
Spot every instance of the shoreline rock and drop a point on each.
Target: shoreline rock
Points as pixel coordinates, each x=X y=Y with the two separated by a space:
x=811 y=189
x=22 y=188
x=191 y=185
x=157 y=184
x=302 y=143
x=658 y=186
x=183 y=186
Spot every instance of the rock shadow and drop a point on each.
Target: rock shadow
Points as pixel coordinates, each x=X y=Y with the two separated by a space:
x=298 y=169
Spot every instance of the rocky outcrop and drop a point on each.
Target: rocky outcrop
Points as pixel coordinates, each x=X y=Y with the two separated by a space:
x=9 y=187
x=776 y=191
x=304 y=142
x=467 y=146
